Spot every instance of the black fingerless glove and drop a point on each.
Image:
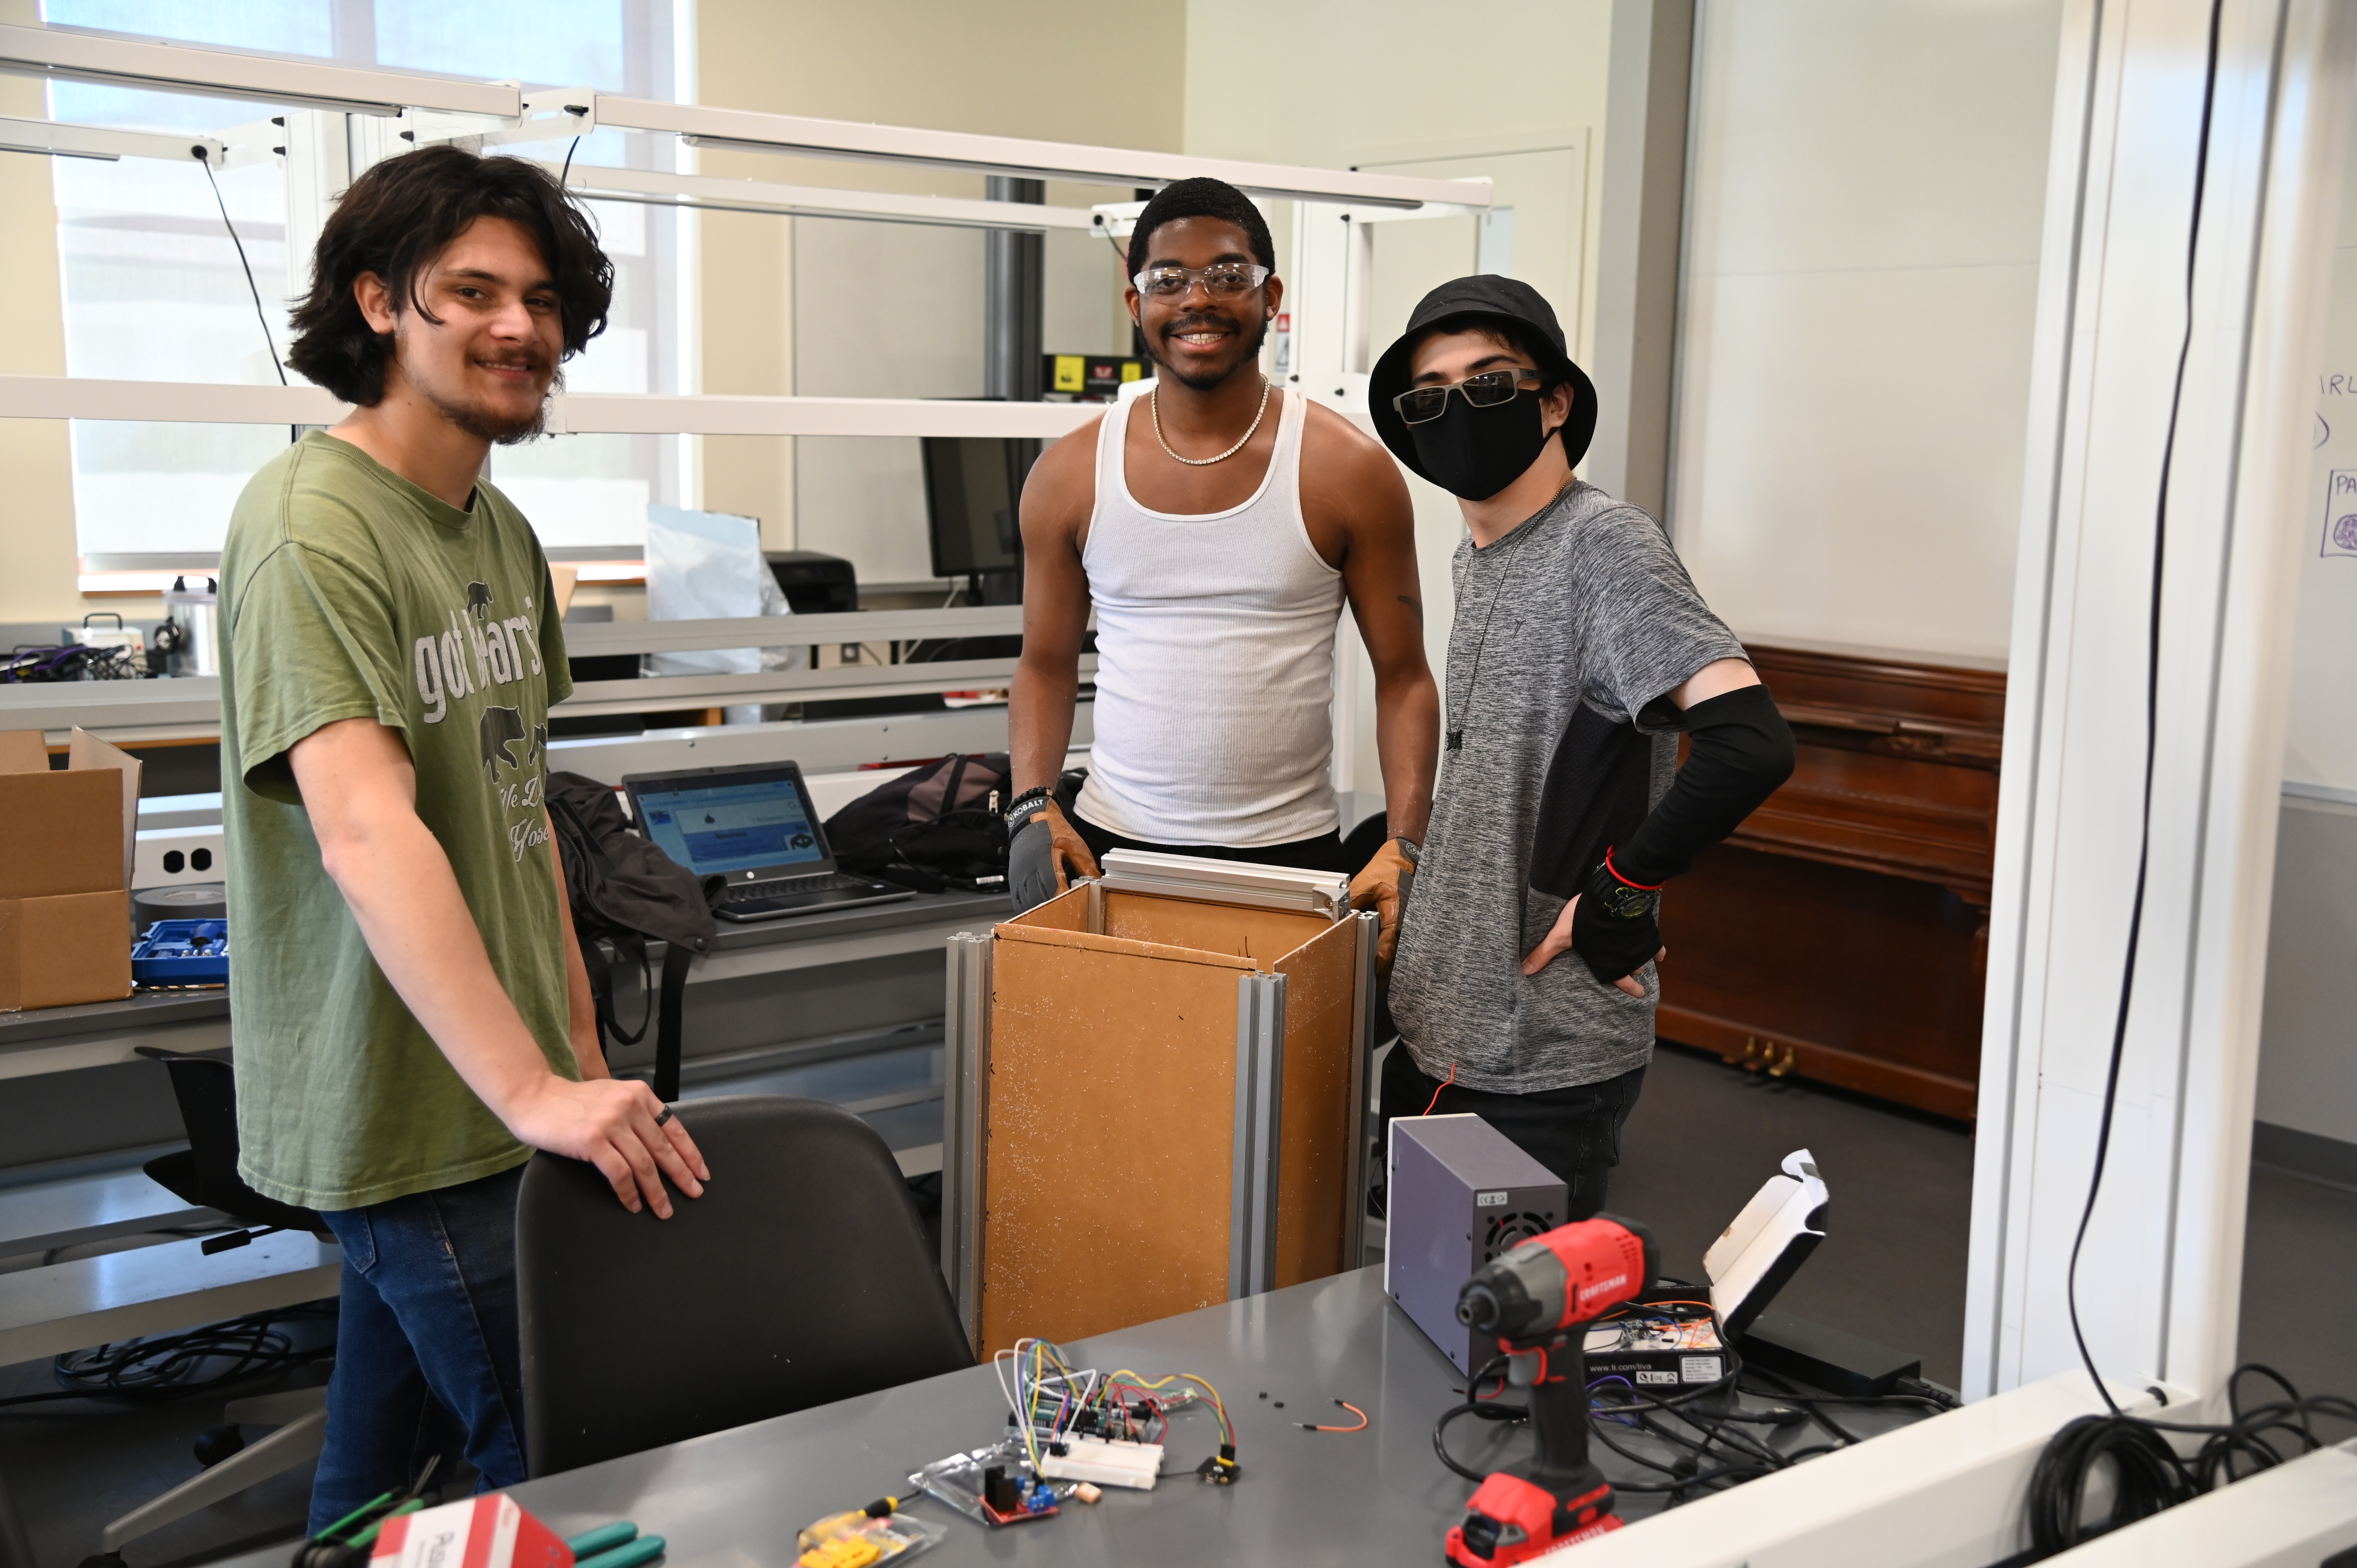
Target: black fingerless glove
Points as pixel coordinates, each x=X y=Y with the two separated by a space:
x=1617 y=927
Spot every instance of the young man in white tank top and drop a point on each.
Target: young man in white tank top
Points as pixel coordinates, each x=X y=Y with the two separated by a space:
x=1217 y=526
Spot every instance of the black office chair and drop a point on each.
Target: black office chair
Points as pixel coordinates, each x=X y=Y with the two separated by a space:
x=800 y=1277
x=205 y=1173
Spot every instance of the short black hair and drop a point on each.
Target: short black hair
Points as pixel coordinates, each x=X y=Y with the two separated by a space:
x=1200 y=199
x=401 y=214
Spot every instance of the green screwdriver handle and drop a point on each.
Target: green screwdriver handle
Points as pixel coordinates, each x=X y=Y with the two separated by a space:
x=645 y=1548
x=605 y=1538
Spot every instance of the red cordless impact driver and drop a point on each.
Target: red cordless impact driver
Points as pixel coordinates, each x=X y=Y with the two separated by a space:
x=1535 y=1299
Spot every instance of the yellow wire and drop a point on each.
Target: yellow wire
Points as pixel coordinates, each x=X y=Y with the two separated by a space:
x=1031 y=1408
x=1227 y=1432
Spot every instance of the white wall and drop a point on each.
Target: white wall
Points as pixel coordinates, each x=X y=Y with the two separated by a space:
x=2320 y=747
x=1351 y=83
x=38 y=557
x=1866 y=189
x=2308 y=1050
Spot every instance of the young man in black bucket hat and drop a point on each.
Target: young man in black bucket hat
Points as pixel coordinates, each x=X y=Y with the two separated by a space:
x=1524 y=986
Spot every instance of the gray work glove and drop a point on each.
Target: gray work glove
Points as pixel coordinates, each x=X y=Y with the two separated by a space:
x=1043 y=853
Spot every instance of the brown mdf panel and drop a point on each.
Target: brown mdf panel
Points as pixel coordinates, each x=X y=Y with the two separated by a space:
x=1313 y=1146
x=1870 y=982
x=1109 y=1153
x=1067 y=911
x=1263 y=936
x=1122 y=945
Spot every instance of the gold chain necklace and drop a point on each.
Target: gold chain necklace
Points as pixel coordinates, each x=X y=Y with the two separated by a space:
x=1155 y=399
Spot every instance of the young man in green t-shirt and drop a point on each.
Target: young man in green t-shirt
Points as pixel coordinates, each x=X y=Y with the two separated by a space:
x=410 y=1011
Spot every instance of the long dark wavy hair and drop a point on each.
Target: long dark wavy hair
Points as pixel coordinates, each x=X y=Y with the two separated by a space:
x=397 y=218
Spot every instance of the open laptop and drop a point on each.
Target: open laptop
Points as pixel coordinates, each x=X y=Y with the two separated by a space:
x=753 y=824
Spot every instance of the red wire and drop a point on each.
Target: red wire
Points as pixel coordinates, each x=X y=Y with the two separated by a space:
x=1436 y=1093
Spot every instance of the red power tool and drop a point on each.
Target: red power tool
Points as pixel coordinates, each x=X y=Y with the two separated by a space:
x=1533 y=1299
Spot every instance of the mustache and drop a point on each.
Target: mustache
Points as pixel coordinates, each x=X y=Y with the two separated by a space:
x=1198 y=324
x=532 y=359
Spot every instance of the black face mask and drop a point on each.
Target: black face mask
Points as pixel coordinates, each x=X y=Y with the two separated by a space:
x=1477 y=452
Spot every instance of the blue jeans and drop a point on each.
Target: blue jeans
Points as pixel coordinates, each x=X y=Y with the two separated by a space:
x=427 y=1340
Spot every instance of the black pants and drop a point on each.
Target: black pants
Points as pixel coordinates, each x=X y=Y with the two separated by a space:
x=1323 y=853
x=1574 y=1131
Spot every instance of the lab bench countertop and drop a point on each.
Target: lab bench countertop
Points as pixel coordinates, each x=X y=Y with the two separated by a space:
x=736 y=1498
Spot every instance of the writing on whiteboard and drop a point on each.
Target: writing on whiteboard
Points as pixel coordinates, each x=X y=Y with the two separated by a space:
x=2340 y=513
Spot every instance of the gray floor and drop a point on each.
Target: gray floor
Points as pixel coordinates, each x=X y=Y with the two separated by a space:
x=1700 y=1142
x=2299 y=1274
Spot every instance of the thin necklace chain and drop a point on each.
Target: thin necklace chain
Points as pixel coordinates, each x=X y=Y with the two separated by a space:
x=1155 y=399
x=1455 y=736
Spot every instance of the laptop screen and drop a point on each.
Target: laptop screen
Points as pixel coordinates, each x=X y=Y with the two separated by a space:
x=736 y=825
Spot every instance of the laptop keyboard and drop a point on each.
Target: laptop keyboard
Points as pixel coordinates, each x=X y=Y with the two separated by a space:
x=793 y=886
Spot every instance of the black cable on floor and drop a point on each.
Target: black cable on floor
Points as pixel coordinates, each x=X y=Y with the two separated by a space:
x=171 y=1366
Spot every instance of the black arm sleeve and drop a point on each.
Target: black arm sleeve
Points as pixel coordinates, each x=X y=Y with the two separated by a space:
x=1742 y=754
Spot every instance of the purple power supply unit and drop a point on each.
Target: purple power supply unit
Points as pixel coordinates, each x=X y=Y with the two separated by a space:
x=1458 y=1192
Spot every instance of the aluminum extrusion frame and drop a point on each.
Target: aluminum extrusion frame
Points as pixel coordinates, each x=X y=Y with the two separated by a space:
x=1259 y=1134
x=965 y=1094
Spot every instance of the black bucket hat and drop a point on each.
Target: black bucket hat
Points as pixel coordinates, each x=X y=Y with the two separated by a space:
x=1468 y=300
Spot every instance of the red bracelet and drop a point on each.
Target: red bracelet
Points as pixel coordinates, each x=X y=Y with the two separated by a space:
x=1640 y=887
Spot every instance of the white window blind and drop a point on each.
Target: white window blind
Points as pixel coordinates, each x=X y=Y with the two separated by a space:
x=155 y=291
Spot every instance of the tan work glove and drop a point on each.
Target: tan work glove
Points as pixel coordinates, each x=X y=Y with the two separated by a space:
x=1040 y=845
x=1383 y=887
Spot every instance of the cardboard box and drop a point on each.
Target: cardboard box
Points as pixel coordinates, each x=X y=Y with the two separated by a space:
x=65 y=841
x=73 y=948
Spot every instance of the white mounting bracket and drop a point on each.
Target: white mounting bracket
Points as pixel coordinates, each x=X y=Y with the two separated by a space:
x=57 y=138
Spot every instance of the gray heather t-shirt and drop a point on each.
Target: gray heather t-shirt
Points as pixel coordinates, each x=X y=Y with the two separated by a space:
x=1585 y=604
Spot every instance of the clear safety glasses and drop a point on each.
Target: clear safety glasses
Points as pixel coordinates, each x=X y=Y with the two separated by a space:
x=1221 y=280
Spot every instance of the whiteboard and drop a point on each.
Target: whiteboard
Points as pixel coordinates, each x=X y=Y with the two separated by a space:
x=2321 y=743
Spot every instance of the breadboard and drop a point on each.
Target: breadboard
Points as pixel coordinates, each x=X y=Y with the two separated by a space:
x=1107 y=1463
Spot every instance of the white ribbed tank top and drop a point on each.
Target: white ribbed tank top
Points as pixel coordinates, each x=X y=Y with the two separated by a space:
x=1215 y=660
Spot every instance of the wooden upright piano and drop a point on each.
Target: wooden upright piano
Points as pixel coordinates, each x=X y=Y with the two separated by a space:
x=1842 y=934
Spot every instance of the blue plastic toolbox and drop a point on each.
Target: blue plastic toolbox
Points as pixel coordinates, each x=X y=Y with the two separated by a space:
x=182 y=953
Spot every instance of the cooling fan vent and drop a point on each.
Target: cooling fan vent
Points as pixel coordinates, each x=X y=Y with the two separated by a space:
x=1507 y=1230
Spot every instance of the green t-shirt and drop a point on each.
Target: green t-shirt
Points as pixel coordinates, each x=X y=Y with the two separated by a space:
x=347 y=592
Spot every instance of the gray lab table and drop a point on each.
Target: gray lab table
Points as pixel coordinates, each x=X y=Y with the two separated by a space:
x=736 y=1498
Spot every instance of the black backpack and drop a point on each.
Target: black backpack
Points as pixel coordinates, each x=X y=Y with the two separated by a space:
x=938 y=827
x=625 y=890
